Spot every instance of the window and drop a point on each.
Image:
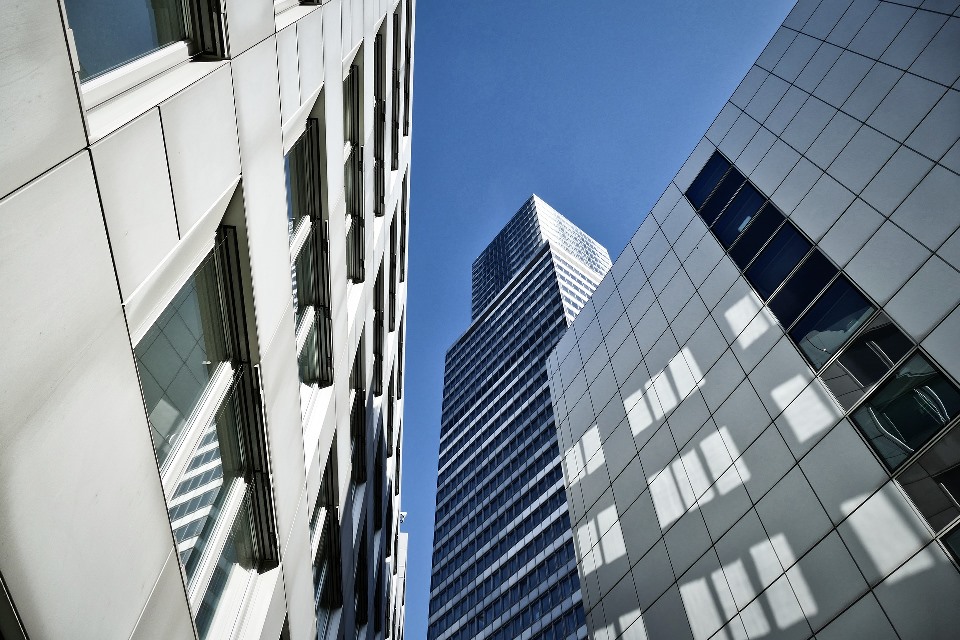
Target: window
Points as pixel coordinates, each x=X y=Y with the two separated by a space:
x=395 y=103
x=802 y=287
x=203 y=405
x=407 y=70
x=308 y=230
x=777 y=260
x=721 y=196
x=353 y=174
x=378 y=333
x=379 y=125
x=403 y=230
x=327 y=589
x=833 y=318
x=393 y=273
x=868 y=357
x=159 y=34
x=933 y=482
x=738 y=215
x=358 y=418
x=707 y=180
x=915 y=403
x=763 y=225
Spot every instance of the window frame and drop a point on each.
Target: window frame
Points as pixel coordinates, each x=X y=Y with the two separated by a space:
x=205 y=38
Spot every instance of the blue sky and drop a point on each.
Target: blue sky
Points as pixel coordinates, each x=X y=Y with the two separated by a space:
x=593 y=106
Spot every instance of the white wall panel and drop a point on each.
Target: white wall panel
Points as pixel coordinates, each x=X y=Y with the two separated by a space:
x=167 y=614
x=200 y=131
x=310 y=52
x=289 y=66
x=39 y=93
x=131 y=166
x=264 y=191
x=71 y=387
x=248 y=22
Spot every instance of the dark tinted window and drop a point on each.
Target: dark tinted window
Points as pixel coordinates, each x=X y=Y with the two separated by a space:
x=933 y=481
x=738 y=215
x=823 y=329
x=721 y=196
x=907 y=410
x=749 y=244
x=777 y=260
x=868 y=357
x=708 y=178
x=802 y=287
x=952 y=540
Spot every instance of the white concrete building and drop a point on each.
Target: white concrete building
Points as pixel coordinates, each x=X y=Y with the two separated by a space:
x=758 y=407
x=203 y=232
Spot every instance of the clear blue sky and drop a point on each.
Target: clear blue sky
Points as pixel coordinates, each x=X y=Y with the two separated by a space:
x=593 y=106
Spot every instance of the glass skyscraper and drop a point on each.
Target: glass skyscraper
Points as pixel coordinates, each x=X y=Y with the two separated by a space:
x=503 y=560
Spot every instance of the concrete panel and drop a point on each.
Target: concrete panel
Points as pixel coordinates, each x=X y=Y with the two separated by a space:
x=39 y=93
x=200 y=131
x=131 y=167
x=167 y=614
x=70 y=386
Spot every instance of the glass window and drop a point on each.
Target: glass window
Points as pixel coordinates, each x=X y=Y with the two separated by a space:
x=178 y=355
x=738 y=215
x=756 y=235
x=777 y=260
x=933 y=481
x=709 y=176
x=827 y=325
x=952 y=542
x=109 y=34
x=907 y=410
x=867 y=359
x=719 y=199
x=802 y=287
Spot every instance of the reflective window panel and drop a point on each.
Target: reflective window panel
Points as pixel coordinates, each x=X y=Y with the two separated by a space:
x=709 y=176
x=933 y=481
x=110 y=33
x=907 y=410
x=802 y=287
x=178 y=355
x=721 y=196
x=750 y=242
x=777 y=260
x=826 y=326
x=738 y=215
x=867 y=359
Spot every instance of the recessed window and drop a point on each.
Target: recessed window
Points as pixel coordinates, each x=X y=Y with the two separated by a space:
x=756 y=235
x=110 y=34
x=907 y=410
x=781 y=255
x=708 y=178
x=802 y=287
x=833 y=318
x=204 y=415
x=741 y=212
x=353 y=174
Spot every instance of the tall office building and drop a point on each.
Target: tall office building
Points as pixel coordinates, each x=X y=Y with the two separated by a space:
x=503 y=559
x=758 y=407
x=203 y=231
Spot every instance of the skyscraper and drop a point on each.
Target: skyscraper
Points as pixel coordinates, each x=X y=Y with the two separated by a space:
x=758 y=407
x=503 y=560
x=203 y=232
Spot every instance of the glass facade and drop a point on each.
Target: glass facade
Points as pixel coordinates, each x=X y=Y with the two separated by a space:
x=503 y=562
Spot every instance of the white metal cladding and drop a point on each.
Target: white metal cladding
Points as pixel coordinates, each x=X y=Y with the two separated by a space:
x=108 y=205
x=716 y=485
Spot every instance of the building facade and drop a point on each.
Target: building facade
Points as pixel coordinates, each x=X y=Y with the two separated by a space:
x=503 y=558
x=203 y=232
x=757 y=409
